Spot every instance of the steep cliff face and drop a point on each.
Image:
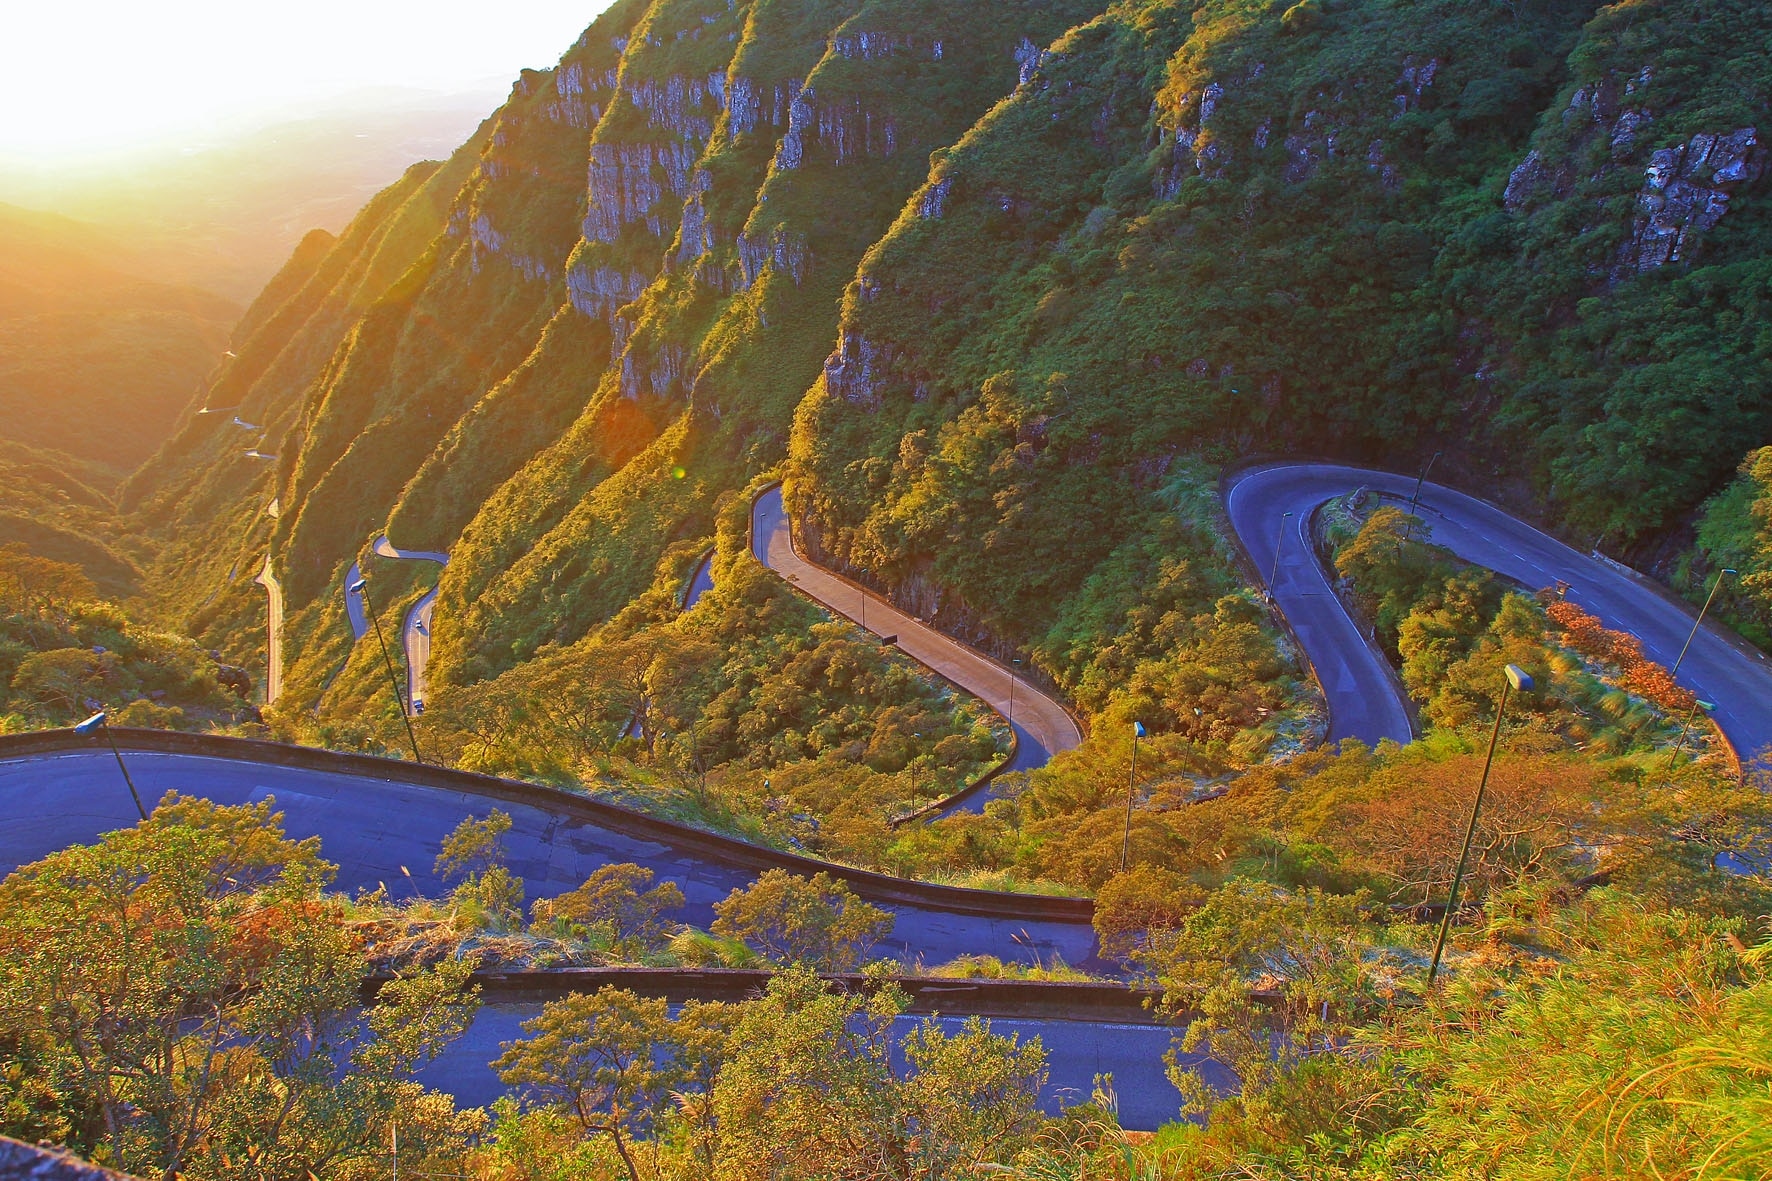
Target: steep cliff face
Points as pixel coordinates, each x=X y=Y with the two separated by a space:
x=1002 y=282
x=825 y=118
x=1365 y=228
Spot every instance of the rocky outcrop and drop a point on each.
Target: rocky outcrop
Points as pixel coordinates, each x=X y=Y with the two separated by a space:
x=680 y=105
x=628 y=182
x=29 y=1162
x=845 y=128
x=1195 y=147
x=1413 y=84
x=1528 y=182
x=660 y=377
x=1686 y=191
x=855 y=372
x=934 y=201
x=784 y=252
x=598 y=292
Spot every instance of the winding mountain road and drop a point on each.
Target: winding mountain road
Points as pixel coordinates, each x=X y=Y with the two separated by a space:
x=385 y=828
x=1270 y=507
x=267 y=578
x=1043 y=727
x=382 y=821
x=416 y=634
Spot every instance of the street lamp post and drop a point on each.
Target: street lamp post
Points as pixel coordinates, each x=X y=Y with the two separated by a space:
x=1131 y=785
x=1279 y=544
x=1697 y=623
x=1415 y=499
x=1517 y=678
x=1685 y=728
x=99 y=722
x=361 y=587
x=1013 y=665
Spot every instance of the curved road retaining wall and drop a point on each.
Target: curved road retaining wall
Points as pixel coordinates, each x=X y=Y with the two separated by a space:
x=1026 y=999
x=875 y=887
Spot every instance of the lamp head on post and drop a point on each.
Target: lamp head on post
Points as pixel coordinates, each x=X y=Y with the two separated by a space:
x=356 y=588
x=1519 y=678
x=90 y=724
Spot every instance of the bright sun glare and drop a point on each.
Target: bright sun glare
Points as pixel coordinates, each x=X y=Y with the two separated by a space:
x=79 y=79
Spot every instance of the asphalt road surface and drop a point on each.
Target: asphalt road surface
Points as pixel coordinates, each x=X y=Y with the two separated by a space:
x=354 y=604
x=1043 y=728
x=386 y=832
x=267 y=578
x=1364 y=698
x=416 y=635
x=700 y=583
x=1076 y=1052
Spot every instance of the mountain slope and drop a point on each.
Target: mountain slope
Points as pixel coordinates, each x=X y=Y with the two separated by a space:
x=1003 y=288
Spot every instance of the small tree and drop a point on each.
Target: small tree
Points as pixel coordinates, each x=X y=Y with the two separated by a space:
x=188 y=990
x=811 y=1089
x=1140 y=905
x=612 y=900
x=610 y=1058
x=815 y=921
x=1269 y=978
x=475 y=853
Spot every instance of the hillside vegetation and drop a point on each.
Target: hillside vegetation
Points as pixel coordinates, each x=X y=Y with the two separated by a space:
x=999 y=292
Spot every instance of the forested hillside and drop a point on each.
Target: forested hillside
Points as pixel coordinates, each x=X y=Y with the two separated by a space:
x=999 y=291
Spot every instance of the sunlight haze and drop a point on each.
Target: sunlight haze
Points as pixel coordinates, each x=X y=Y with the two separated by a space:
x=78 y=80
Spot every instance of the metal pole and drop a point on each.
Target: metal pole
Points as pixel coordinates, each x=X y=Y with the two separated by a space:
x=1278 y=546
x=1514 y=677
x=362 y=588
x=1697 y=623
x=118 y=755
x=1414 y=499
x=1131 y=784
x=1685 y=728
x=1012 y=665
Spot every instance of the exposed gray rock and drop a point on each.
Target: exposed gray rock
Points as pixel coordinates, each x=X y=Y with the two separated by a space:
x=680 y=105
x=29 y=1162
x=600 y=291
x=1527 y=182
x=661 y=378
x=1028 y=59
x=1686 y=191
x=868 y=46
x=934 y=201
x=743 y=105
x=845 y=128
x=779 y=250
x=627 y=182
x=1413 y=82
x=1626 y=129
x=855 y=371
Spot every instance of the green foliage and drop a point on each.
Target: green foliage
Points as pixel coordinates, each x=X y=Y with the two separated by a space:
x=615 y=901
x=612 y=1060
x=810 y=1090
x=61 y=651
x=1735 y=532
x=182 y=996
x=817 y=922
x=488 y=894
